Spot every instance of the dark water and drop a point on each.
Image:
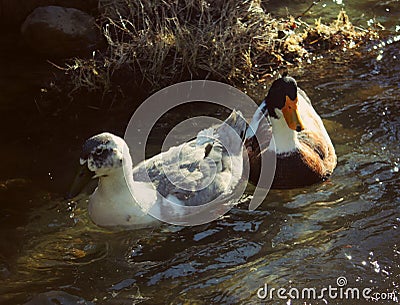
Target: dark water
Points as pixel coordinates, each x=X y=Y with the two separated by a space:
x=347 y=227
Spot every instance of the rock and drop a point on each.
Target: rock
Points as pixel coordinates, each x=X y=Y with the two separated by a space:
x=13 y=13
x=57 y=298
x=57 y=31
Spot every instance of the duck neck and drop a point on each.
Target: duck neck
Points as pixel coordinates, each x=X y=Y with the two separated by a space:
x=112 y=204
x=285 y=138
x=115 y=182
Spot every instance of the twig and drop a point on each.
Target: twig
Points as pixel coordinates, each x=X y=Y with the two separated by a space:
x=309 y=8
x=38 y=107
x=57 y=66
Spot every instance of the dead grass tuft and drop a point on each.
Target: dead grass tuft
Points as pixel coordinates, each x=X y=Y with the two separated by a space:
x=161 y=42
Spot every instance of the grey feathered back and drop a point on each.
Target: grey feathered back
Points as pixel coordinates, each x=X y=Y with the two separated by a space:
x=193 y=169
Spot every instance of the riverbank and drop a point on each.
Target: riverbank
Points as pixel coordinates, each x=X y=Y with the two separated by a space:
x=57 y=103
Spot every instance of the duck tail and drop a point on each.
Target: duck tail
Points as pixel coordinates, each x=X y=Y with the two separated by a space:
x=237 y=122
x=255 y=121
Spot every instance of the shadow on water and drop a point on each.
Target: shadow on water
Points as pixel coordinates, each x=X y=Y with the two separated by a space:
x=346 y=227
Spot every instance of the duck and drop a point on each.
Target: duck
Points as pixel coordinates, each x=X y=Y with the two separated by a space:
x=203 y=170
x=293 y=132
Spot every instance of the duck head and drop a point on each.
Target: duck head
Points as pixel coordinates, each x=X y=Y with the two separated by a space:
x=103 y=155
x=281 y=101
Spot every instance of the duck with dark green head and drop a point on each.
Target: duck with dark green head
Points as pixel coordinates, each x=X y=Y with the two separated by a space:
x=304 y=152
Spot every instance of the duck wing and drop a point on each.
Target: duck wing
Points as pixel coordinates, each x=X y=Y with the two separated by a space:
x=196 y=172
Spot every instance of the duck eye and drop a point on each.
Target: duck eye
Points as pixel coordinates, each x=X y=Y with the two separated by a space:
x=98 y=151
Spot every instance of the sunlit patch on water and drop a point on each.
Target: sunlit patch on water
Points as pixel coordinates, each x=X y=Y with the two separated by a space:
x=59 y=250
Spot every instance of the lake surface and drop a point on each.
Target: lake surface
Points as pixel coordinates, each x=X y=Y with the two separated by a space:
x=344 y=229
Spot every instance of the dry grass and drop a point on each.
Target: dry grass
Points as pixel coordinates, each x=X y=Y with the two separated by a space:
x=161 y=42
x=339 y=34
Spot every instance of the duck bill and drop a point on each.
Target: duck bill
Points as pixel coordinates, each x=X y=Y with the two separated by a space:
x=82 y=178
x=291 y=115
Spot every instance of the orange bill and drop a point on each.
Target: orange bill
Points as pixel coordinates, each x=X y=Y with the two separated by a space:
x=291 y=115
